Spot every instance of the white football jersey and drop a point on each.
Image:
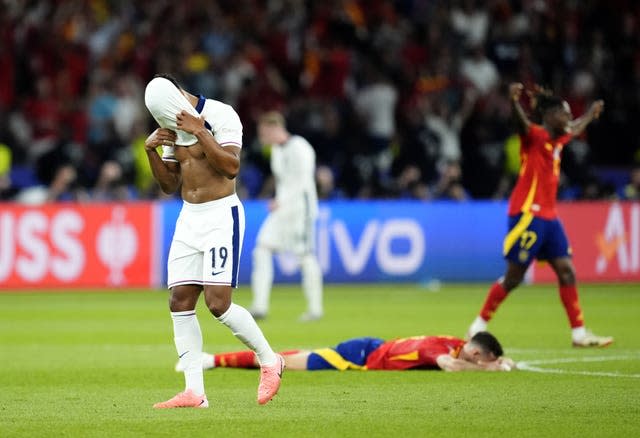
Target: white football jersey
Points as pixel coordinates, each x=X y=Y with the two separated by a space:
x=293 y=165
x=222 y=120
x=164 y=101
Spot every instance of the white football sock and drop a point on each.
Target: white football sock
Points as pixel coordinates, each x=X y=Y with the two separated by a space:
x=312 y=283
x=188 y=340
x=244 y=327
x=478 y=325
x=578 y=333
x=261 y=280
x=208 y=361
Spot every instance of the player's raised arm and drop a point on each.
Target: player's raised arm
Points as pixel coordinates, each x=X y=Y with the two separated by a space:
x=515 y=91
x=225 y=160
x=166 y=173
x=578 y=125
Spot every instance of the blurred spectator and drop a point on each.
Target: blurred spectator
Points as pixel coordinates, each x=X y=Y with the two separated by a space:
x=57 y=174
x=410 y=184
x=325 y=182
x=5 y=168
x=483 y=138
x=511 y=167
x=578 y=179
x=415 y=162
x=449 y=185
x=446 y=123
x=236 y=76
x=43 y=115
x=632 y=190
x=128 y=111
x=470 y=20
x=375 y=104
x=479 y=71
x=110 y=185
x=102 y=109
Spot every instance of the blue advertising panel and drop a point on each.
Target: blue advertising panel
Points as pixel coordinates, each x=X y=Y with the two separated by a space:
x=387 y=241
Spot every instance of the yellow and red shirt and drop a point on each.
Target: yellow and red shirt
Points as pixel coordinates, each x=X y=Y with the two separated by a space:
x=536 y=190
x=413 y=352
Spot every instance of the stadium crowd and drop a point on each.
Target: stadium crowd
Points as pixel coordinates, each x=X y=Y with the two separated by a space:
x=400 y=98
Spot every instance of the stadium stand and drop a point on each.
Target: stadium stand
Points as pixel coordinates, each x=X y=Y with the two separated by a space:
x=396 y=95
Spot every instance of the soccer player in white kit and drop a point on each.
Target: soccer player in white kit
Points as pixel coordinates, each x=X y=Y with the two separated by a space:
x=290 y=225
x=201 y=140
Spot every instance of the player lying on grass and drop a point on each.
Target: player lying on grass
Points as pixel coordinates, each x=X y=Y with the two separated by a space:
x=482 y=352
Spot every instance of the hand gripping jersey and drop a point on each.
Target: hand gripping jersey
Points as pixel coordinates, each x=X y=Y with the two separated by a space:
x=536 y=190
x=164 y=100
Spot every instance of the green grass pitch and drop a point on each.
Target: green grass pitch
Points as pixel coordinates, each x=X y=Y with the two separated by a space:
x=92 y=364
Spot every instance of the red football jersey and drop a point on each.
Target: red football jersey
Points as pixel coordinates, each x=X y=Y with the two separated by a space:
x=414 y=352
x=537 y=186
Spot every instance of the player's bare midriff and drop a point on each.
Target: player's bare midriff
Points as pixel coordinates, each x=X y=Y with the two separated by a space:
x=200 y=182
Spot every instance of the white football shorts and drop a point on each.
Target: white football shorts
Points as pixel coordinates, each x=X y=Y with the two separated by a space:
x=207 y=243
x=291 y=232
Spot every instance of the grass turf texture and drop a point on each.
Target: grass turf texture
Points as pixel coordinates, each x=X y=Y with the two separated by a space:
x=92 y=364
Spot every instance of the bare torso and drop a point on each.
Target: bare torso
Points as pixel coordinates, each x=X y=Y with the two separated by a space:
x=204 y=171
x=200 y=182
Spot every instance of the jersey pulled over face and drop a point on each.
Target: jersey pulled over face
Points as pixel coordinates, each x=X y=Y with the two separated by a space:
x=164 y=100
x=537 y=186
x=200 y=180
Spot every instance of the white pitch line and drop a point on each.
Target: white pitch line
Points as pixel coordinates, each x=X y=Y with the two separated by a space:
x=547 y=351
x=581 y=359
x=523 y=366
x=529 y=366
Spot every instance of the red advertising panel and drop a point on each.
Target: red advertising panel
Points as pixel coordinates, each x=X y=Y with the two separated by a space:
x=605 y=238
x=76 y=245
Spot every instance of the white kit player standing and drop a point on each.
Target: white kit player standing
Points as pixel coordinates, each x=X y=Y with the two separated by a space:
x=290 y=225
x=201 y=140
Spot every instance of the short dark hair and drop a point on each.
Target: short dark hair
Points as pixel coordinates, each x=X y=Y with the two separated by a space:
x=546 y=102
x=487 y=343
x=170 y=78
